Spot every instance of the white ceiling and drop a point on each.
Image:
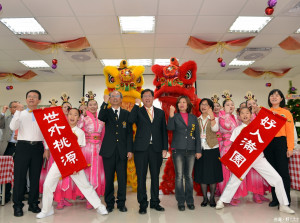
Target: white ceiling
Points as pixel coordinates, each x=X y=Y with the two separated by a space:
x=176 y=20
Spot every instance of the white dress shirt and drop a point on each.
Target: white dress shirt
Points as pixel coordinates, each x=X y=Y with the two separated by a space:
x=214 y=128
x=119 y=110
x=28 y=129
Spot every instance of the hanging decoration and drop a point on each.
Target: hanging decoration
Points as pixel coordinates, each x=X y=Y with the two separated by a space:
x=255 y=73
x=47 y=47
x=28 y=75
x=203 y=46
x=290 y=45
x=9 y=87
x=270 y=9
x=0 y=7
x=54 y=64
x=268 y=84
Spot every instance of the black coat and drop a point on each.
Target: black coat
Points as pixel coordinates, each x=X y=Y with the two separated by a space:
x=185 y=137
x=145 y=129
x=118 y=133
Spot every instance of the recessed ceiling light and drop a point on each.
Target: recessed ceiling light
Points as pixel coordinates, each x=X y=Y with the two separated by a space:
x=137 y=24
x=23 y=26
x=163 y=62
x=236 y=62
x=110 y=62
x=34 y=63
x=249 y=24
x=140 y=62
x=298 y=31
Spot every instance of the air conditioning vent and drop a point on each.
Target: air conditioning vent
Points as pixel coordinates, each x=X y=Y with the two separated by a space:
x=249 y=54
x=47 y=71
x=86 y=54
x=232 y=69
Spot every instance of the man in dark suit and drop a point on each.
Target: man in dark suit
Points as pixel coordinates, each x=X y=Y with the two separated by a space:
x=8 y=140
x=150 y=145
x=116 y=148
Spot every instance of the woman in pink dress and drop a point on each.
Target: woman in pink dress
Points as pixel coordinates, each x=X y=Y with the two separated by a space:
x=228 y=123
x=255 y=183
x=94 y=133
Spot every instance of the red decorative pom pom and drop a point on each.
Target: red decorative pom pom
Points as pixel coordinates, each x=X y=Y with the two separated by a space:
x=220 y=59
x=11 y=87
x=269 y=11
x=54 y=61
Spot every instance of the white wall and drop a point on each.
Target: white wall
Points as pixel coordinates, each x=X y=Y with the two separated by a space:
x=47 y=89
x=205 y=88
x=238 y=88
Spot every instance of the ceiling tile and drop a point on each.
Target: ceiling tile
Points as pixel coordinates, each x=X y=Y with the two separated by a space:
x=111 y=53
x=92 y=7
x=166 y=53
x=175 y=24
x=105 y=41
x=136 y=7
x=171 y=40
x=139 y=53
x=213 y=24
x=216 y=7
x=179 y=7
x=138 y=40
x=99 y=25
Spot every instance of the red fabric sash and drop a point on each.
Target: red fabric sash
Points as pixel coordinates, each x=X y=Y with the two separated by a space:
x=252 y=141
x=61 y=140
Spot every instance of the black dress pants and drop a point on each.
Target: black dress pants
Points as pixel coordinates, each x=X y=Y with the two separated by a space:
x=276 y=154
x=111 y=165
x=27 y=157
x=142 y=160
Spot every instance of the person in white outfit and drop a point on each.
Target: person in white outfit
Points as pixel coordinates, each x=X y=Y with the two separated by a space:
x=261 y=165
x=79 y=178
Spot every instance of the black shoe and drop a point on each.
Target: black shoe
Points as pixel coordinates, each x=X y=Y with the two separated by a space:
x=123 y=208
x=109 y=209
x=204 y=203
x=212 y=203
x=273 y=203
x=181 y=207
x=34 y=208
x=143 y=211
x=157 y=207
x=18 y=212
x=191 y=206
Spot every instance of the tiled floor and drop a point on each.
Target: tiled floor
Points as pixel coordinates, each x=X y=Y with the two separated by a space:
x=247 y=211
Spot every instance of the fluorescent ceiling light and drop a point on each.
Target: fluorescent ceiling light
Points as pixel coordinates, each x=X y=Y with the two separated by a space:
x=140 y=62
x=137 y=24
x=249 y=24
x=298 y=31
x=163 y=62
x=111 y=62
x=23 y=26
x=236 y=62
x=34 y=63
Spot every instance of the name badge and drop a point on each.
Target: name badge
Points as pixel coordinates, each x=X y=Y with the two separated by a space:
x=124 y=125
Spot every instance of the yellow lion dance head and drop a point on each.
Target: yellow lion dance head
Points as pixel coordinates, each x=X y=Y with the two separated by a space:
x=126 y=79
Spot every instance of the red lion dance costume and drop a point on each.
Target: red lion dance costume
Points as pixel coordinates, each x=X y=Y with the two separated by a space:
x=171 y=82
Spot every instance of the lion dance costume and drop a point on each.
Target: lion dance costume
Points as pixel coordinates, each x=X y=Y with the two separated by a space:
x=171 y=82
x=129 y=81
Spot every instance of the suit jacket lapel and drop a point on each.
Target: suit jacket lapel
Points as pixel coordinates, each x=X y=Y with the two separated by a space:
x=181 y=119
x=121 y=115
x=190 y=120
x=145 y=113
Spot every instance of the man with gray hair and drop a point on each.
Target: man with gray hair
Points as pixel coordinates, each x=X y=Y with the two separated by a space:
x=9 y=138
x=116 y=148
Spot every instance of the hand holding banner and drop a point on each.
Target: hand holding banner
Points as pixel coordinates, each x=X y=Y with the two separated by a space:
x=252 y=141
x=61 y=140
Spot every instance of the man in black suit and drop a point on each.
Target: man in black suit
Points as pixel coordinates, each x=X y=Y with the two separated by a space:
x=150 y=145
x=116 y=148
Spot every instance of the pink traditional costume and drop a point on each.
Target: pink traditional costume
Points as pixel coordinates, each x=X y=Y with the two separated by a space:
x=94 y=133
x=228 y=123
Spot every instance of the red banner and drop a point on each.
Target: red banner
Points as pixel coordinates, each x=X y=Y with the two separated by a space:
x=252 y=141
x=61 y=140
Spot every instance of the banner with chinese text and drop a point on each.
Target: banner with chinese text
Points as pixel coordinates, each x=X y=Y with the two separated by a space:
x=61 y=140
x=252 y=141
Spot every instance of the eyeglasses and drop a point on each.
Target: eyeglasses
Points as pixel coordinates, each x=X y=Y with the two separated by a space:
x=33 y=97
x=115 y=96
x=147 y=96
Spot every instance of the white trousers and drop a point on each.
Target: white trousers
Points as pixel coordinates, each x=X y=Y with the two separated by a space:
x=80 y=180
x=264 y=168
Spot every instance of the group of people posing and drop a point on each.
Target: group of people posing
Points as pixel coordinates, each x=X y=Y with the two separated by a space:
x=107 y=143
